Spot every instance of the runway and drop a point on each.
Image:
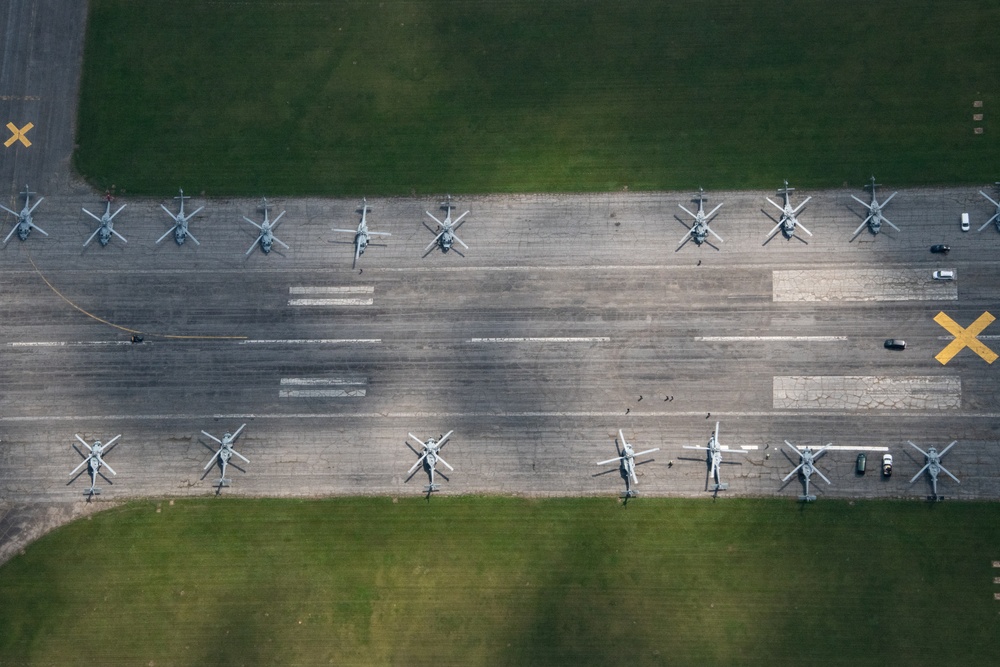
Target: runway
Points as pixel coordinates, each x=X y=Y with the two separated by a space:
x=568 y=318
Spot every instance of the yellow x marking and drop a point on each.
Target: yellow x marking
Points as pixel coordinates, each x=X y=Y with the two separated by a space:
x=18 y=135
x=965 y=338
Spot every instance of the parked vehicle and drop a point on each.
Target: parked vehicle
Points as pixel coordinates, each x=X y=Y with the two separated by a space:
x=944 y=274
x=895 y=344
x=887 y=465
x=941 y=248
x=965 y=222
x=860 y=465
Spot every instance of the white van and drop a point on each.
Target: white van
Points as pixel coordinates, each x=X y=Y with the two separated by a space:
x=965 y=222
x=944 y=274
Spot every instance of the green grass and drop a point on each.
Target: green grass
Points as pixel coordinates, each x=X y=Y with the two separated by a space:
x=501 y=581
x=394 y=97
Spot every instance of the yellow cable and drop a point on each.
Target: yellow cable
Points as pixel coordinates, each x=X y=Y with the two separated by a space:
x=117 y=326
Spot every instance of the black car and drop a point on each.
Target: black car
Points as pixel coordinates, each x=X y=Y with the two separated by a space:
x=895 y=344
x=941 y=248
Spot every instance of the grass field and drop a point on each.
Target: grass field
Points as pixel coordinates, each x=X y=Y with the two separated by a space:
x=502 y=581
x=399 y=97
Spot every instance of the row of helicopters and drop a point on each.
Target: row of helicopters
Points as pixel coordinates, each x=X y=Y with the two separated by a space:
x=428 y=454
x=445 y=231
x=445 y=235
x=788 y=223
x=806 y=468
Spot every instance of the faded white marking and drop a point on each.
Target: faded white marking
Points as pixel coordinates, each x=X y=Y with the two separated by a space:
x=312 y=341
x=321 y=393
x=591 y=339
x=322 y=382
x=846 y=448
x=733 y=339
x=853 y=284
x=867 y=392
x=330 y=302
x=349 y=289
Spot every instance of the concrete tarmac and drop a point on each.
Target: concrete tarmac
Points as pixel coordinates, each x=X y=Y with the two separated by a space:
x=534 y=347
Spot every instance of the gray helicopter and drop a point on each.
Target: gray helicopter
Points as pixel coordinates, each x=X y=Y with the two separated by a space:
x=933 y=465
x=24 y=223
x=715 y=450
x=107 y=228
x=361 y=235
x=445 y=231
x=875 y=217
x=626 y=455
x=700 y=230
x=788 y=221
x=266 y=236
x=95 y=461
x=224 y=453
x=807 y=457
x=180 y=228
x=429 y=457
x=996 y=214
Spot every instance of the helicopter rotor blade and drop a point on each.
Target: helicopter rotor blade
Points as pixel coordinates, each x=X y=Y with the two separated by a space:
x=240 y=455
x=212 y=460
x=166 y=234
x=886 y=202
x=441 y=442
x=920 y=472
x=209 y=435
x=431 y=244
x=865 y=204
x=251 y=222
x=107 y=466
x=124 y=240
x=648 y=451
x=789 y=475
x=775 y=204
x=445 y=462
x=91 y=214
x=253 y=245
x=889 y=222
x=417 y=464
x=798 y=208
x=917 y=448
x=80 y=467
x=193 y=213
x=118 y=211
x=434 y=219
x=687 y=211
x=945 y=450
x=601 y=463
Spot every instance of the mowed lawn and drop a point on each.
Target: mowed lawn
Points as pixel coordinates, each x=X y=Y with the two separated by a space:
x=504 y=581
x=400 y=96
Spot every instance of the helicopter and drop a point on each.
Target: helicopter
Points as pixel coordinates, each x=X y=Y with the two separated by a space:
x=996 y=215
x=715 y=450
x=429 y=457
x=700 y=230
x=266 y=236
x=95 y=461
x=24 y=223
x=875 y=217
x=107 y=228
x=445 y=231
x=933 y=465
x=627 y=457
x=180 y=228
x=224 y=453
x=361 y=235
x=788 y=221
x=807 y=457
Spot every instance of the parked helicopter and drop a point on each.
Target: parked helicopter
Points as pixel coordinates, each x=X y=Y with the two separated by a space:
x=807 y=457
x=107 y=227
x=933 y=465
x=180 y=228
x=95 y=461
x=715 y=450
x=24 y=223
x=429 y=457
x=788 y=221
x=996 y=214
x=361 y=235
x=875 y=217
x=224 y=453
x=266 y=236
x=699 y=230
x=626 y=455
x=446 y=229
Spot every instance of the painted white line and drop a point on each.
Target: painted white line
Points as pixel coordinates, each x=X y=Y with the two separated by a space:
x=592 y=339
x=323 y=382
x=313 y=341
x=732 y=339
x=353 y=289
x=848 y=448
x=749 y=447
x=910 y=414
x=867 y=392
x=330 y=302
x=70 y=343
x=321 y=393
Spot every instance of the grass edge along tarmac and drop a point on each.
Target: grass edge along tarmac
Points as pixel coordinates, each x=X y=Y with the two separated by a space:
x=493 y=580
x=398 y=97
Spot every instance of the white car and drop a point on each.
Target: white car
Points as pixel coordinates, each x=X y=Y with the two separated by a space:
x=965 y=222
x=944 y=274
x=887 y=465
